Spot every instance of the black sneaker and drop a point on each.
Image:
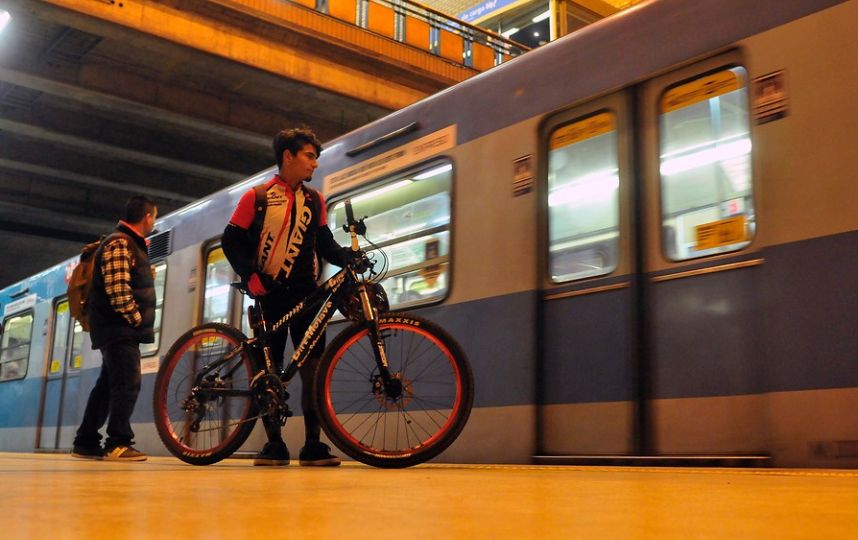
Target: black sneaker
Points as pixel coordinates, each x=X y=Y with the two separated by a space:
x=124 y=453
x=274 y=453
x=88 y=452
x=317 y=454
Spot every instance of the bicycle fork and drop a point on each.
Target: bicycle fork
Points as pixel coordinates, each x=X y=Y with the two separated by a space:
x=389 y=385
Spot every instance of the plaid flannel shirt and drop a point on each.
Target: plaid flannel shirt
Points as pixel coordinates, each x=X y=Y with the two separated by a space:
x=116 y=269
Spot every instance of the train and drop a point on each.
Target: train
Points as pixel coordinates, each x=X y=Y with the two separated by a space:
x=644 y=235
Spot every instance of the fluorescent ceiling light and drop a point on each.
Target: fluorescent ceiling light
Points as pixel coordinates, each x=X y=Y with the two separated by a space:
x=376 y=192
x=721 y=152
x=509 y=32
x=434 y=172
x=542 y=16
x=5 y=17
x=586 y=189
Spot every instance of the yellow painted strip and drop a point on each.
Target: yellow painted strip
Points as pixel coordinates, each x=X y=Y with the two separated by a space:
x=583 y=129
x=699 y=90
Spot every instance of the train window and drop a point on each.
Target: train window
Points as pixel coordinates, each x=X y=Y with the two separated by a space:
x=705 y=164
x=160 y=271
x=246 y=302
x=218 y=277
x=583 y=198
x=15 y=346
x=408 y=218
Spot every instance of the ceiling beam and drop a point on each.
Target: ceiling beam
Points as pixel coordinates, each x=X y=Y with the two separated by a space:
x=115 y=104
x=116 y=152
x=87 y=180
x=41 y=219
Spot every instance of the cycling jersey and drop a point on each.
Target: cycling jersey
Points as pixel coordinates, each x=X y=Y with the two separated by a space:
x=294 y=229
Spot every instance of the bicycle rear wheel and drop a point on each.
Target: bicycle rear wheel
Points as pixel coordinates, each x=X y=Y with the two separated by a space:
x=197 y=427
x=419 y=421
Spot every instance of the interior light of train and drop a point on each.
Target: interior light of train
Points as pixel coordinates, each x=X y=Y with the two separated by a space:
x=723 y=152
x=542 y=16
x=586 y=188
x=511 y=31
x=5 y=17
x=405 y=230
x=434 y=172
x=385 y=189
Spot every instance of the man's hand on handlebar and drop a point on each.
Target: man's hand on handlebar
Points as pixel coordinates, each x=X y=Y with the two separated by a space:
x=359 y=261
x=259 y=285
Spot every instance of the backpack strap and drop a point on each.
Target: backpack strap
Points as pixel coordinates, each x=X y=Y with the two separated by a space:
x=260 y=205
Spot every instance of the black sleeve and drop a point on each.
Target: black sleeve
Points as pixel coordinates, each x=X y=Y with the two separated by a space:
x=239 y=250
x=329 y=249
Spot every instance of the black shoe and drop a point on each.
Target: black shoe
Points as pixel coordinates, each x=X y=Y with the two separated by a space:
x=124 y=453
x=88 y=452
x=274 y=453
x=317 y=454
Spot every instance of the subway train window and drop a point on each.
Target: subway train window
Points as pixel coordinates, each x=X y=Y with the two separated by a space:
x=218 y=277
x=15 y=346
x=160 y=272
x=408 y=218
x=583 y=198
x=246 y=302
x=705 y=164
x=59 y=350
x=62 y=319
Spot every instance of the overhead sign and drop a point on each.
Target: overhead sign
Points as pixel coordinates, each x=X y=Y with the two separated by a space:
x=482 y=10
x=377 y=166
x=20 y=305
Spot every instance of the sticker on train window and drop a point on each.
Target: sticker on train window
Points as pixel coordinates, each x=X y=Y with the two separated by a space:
x=721 y=233
x=702 y=89
x=582 y=130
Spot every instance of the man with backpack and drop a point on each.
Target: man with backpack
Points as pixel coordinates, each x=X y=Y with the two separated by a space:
x=271 y=242
x=120 y=306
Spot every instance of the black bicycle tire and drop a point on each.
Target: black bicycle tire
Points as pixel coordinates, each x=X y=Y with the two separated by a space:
x=334 y=430
x=165 y=433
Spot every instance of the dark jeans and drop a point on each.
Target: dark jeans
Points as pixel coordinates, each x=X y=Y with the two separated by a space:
x=114 y=395
x=274 y=306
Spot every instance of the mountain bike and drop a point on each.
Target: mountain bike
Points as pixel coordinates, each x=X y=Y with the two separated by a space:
x=391 y=389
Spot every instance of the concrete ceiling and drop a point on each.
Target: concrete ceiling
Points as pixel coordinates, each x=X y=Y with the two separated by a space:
x=92 y=113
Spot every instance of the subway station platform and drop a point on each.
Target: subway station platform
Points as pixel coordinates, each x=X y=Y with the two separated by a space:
x=54 y=496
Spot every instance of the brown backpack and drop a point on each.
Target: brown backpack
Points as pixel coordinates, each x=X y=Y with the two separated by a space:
x=81 y=282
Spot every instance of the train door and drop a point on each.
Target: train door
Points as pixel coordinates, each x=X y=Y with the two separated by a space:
x=701 y=273
x=58 y=412
x=648 y=338
x=587 y=375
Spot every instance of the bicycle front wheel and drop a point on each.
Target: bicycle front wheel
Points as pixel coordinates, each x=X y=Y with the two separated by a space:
x=424 y=414
x=203 y=407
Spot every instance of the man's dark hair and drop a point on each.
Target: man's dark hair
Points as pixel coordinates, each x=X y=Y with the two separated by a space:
x=137 y=207
x=294 y=140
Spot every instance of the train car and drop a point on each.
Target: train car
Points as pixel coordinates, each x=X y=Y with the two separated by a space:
x=642 y=234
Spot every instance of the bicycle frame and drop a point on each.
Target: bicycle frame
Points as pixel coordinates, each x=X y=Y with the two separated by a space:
x=327 y=298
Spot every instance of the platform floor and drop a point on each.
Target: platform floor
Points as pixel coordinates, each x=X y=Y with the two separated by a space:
x=54 y=496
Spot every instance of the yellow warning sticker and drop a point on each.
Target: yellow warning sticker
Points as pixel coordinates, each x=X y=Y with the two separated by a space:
x=77 y=361
x=55 y=366
x=62 y=308
x=699 y=90
x=720 y=233
x=582 y=130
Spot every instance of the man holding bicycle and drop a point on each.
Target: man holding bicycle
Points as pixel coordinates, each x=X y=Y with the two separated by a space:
x=271 y=242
